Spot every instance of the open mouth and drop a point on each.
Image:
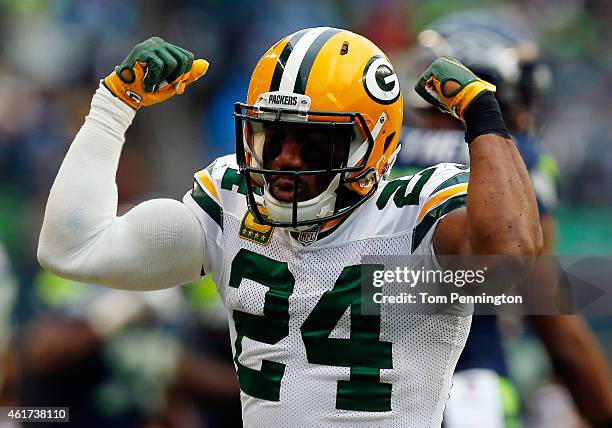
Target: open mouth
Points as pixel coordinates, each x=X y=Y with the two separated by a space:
x=281 y=187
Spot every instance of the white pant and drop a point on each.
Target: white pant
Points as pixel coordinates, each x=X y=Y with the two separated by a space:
x=476 y=400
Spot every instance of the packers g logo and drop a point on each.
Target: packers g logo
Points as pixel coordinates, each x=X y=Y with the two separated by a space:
x=380 y=81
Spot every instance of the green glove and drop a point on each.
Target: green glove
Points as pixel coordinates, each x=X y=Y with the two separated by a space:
x=154 y=71
x=451 y=86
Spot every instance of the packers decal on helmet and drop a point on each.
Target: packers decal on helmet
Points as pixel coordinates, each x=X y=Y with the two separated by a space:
x=380 y=81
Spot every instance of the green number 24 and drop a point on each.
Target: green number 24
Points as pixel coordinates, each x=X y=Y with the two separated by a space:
x=364 y=353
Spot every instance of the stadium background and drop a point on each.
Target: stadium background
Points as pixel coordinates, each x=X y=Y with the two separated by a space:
x=52 y=53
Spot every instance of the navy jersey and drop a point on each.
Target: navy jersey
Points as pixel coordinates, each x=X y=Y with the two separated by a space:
x=422 y=148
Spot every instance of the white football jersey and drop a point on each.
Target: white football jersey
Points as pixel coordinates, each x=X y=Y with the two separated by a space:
x=304 y=353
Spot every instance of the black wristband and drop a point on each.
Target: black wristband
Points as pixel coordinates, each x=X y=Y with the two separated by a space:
x=483 y=116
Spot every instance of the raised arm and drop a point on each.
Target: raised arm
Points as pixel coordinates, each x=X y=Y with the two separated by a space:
x=158 y=243
x=501 y=217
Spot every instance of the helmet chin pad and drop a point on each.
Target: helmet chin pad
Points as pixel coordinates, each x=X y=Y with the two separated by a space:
x=320 y=206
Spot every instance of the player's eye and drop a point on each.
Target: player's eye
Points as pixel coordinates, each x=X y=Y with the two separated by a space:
x=317 y=154
x=273 y=145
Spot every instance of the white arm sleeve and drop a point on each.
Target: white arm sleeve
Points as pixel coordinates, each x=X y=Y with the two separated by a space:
x=157 y=244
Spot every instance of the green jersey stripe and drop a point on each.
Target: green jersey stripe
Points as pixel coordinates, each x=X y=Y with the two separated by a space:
x=460 y=178
x=419 y=232
x=208 y=204
x=398 y=188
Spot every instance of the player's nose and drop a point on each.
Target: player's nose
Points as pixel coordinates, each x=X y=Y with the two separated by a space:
x=290 y=156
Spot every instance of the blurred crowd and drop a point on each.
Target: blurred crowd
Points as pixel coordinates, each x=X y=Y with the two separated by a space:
x=163 y=358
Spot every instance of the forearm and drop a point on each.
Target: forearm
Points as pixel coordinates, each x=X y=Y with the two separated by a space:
x=52 y=345
x=502 y=215
x=10 y=368
x=155 y=245
x=579 y=362
x=83 y=198
x=206 y=377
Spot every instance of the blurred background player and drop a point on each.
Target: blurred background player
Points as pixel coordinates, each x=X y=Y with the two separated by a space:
x=41 y=106
x=130 y=360
x=499 y=49
x=117 y=359
x=205 y=385
x=8 y=292
x=108 y=357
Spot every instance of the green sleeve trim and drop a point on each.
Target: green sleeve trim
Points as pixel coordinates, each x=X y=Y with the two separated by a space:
x=421 y=230
x=460 y=178
x=208 y=204
x=398 y=188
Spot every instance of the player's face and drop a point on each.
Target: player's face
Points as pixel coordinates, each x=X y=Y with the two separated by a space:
x=296 y=147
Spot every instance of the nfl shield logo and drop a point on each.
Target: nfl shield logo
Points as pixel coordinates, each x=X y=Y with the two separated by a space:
x=307 y=237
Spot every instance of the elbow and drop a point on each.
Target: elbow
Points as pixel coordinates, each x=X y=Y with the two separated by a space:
x=44 y=254
x=514 y=250
x=529 y=240
x=526 y=242
x=519 y=253
x=50 y=260
x=515 y=254
x=49 y=251
x=57 y=259
x=528 y=247
x=58 y=251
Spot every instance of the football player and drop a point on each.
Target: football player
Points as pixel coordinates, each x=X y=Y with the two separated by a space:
x=500 y=50
x=8 y=294
x=282 y=224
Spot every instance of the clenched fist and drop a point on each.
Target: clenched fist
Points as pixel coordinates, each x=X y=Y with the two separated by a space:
x=451 y=86
x=154 y=71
